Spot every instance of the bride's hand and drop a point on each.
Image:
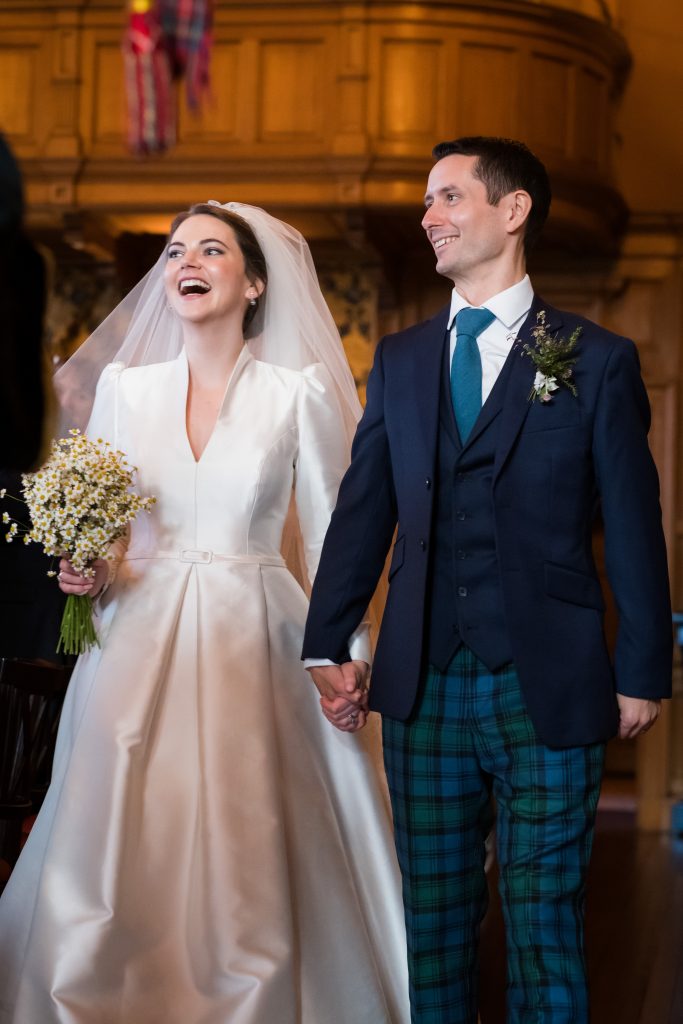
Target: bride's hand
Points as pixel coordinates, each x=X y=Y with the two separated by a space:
x=343 y=714
x=72 y=582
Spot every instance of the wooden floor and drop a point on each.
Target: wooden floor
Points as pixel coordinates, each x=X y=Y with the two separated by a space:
x=634 y=930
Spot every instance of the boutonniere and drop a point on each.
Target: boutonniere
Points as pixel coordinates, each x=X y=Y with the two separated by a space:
x=552 y=357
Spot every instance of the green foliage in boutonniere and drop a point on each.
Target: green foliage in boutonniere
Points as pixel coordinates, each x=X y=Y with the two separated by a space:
x=552 y=357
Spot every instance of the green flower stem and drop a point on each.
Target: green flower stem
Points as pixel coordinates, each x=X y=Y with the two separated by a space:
x=77 y=631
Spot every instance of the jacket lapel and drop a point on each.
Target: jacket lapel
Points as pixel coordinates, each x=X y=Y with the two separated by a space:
x=516 y=403
x=446 y=411
x=426 y=378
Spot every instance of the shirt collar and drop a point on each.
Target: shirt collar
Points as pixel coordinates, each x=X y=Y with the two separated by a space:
x=508 y=306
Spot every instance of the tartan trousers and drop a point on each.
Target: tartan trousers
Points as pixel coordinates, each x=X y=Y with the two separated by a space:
x=471 y=738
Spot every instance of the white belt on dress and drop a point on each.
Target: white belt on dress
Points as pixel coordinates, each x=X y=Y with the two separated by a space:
x=203 y=557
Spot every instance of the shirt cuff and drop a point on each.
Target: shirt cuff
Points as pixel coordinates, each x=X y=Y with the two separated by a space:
x=359 y=644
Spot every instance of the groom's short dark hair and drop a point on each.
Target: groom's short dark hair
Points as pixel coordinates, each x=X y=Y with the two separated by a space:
x=504 y=165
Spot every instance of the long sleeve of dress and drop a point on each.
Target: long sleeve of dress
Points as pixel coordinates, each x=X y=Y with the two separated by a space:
x=323 y=457
x=103 y=424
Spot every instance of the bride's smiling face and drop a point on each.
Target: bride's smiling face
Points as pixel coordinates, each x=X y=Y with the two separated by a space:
x=204 y=275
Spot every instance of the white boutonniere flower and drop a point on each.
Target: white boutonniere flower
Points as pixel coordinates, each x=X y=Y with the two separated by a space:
x=544 y=386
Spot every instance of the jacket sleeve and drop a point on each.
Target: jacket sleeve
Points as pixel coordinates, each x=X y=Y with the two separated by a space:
x=359 y=534
x=635 y=551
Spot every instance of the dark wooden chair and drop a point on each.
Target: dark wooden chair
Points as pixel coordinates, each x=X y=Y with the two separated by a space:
x=31 y=696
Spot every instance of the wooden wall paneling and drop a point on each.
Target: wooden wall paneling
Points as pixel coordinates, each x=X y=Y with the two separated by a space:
x=294 y=90
x=219 y=119
x=654 y=749
x=410 y=100
x=18 y=99
x=487 y=93
x=351 y=90
x=64 y=139
x=591 y=129
x=549 y=101
x=24 y=97
x=409 y=84
x=103 y=95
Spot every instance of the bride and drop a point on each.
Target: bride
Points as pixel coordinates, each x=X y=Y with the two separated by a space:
x=211 y=850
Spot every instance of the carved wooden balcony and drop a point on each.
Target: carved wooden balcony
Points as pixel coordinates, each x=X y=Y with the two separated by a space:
x=318 y=105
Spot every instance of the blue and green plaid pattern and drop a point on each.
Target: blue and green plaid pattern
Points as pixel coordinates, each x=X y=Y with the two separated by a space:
x=471 y=738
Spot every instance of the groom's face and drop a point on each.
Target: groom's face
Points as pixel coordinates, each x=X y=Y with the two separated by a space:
x=467 y=234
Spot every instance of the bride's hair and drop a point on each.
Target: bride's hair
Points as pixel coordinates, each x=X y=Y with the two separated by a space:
x=255 y=265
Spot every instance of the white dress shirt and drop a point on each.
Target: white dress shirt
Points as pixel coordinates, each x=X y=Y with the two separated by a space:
x=510 y=309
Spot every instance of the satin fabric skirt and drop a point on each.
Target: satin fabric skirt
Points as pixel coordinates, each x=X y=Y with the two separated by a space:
x=211 y=850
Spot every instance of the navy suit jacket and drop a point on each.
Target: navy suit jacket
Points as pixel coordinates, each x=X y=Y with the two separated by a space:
x=555 y=464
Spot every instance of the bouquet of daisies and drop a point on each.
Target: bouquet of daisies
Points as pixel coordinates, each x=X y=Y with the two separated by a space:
x=80 y=501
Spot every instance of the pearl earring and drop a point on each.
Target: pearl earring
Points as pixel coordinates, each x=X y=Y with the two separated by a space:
x=252 y=302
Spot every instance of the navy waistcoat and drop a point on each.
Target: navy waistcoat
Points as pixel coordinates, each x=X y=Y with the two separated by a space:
x=465 y=600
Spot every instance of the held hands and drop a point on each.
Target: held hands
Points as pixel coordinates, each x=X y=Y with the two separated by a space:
x=636 y=715
x=343 y=693
x=71 y=582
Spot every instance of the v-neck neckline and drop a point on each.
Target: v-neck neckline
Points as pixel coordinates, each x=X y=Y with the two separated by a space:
x=242 y=360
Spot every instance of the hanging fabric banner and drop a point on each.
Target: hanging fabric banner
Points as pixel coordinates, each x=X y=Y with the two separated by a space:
x=151 y=111
x=164 y=40
x=186 y=25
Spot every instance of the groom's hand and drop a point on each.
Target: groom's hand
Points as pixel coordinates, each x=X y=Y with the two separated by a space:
x=636 y=715
x=347 y=680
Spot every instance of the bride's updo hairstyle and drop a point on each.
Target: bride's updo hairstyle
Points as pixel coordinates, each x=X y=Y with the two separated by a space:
x=254 y=260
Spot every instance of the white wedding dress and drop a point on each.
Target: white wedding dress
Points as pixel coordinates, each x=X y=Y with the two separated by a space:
x=211 y=850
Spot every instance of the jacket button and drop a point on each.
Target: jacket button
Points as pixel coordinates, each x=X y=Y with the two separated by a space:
x=428 y=483
x=462 y=591
x=460 y=515
x=423 y=545
x=461 y=554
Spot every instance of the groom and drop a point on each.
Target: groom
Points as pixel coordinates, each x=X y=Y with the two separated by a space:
x=488 y=443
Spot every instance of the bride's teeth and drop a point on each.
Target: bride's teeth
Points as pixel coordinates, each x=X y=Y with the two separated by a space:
x=193 y=284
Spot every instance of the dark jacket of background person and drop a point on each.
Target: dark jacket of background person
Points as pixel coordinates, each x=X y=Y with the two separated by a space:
x=22 y=307
x=31 y=604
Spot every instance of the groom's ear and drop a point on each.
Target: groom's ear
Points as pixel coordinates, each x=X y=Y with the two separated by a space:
x=518 y=207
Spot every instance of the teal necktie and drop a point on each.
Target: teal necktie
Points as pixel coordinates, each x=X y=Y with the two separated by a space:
x=466 y=367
